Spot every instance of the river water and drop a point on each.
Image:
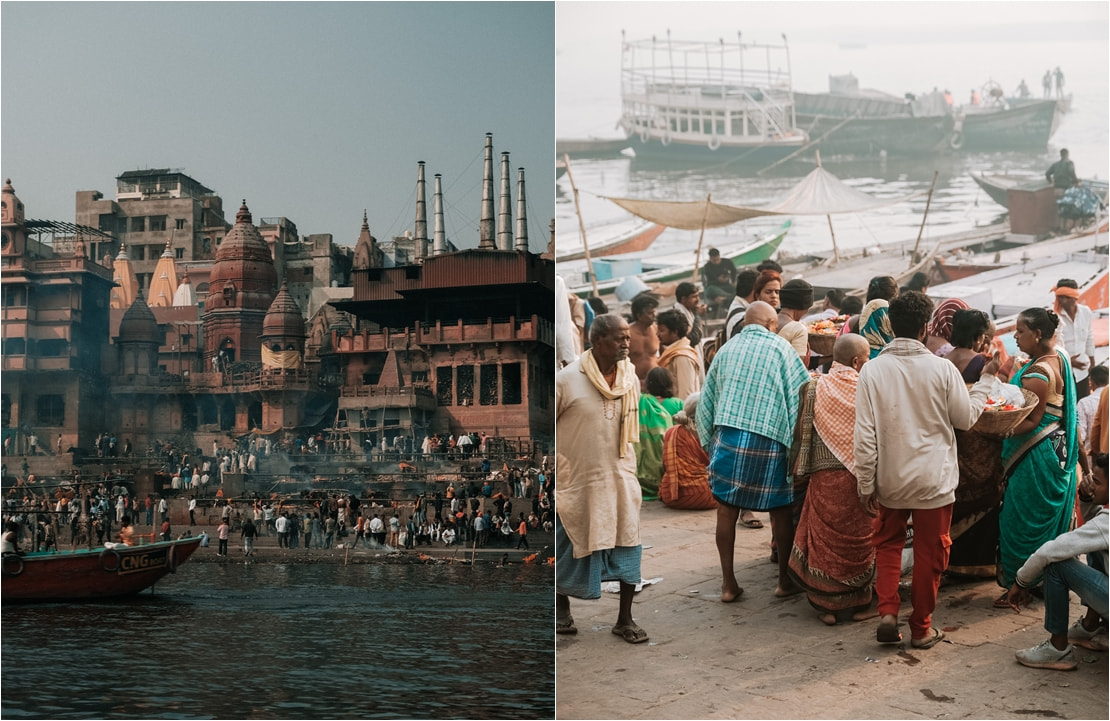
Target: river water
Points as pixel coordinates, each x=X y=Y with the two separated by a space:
x=292 y=641
x=588 y=105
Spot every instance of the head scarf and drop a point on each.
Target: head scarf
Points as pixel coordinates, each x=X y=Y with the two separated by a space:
x=625 y=387
x=1066 y=292
x=940 y=325
x=874 y=325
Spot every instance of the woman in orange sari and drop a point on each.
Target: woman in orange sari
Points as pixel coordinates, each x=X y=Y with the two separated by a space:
x=685 y=483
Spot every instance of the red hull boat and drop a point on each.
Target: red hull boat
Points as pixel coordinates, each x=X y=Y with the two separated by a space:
x=82 y=574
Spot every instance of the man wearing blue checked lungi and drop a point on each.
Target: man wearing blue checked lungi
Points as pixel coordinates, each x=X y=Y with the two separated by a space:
x=746 y=417
x=597 y=526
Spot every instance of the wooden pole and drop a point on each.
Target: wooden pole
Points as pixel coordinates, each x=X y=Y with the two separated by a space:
x=828 y=216
x=701 y=236
x=928 y=202
x=581 y=225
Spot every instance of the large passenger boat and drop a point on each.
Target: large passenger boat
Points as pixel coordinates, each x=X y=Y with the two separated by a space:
x=709 y=100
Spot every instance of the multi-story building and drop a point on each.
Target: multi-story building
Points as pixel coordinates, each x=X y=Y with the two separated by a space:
x=442 y=341
x=54 y=328
x=153 y=208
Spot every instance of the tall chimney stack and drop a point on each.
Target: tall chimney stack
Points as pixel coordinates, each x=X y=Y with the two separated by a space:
x=521 y=216
x=486 y=238
x=420 y=228
x=505 y=211
x=439 y=244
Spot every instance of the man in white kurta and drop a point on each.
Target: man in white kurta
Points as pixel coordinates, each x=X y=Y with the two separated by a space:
x=597 y=532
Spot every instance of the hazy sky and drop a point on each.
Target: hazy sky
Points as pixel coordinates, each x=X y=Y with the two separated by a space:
x=895 y=47
x=312 y=111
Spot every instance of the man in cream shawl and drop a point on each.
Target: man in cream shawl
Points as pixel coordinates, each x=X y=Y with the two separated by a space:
x=597 y=532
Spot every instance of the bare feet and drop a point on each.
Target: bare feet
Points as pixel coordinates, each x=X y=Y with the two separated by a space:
x=829 y=619
x=870 y=612
x=731 y=592
x=787 y=589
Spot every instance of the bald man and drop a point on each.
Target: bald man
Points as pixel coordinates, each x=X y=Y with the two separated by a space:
x=746 y=419
x=833 y=558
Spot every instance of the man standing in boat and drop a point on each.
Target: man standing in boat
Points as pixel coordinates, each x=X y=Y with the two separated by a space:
x=1061 y=173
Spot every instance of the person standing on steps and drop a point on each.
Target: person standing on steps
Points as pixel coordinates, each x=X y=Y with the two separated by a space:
x=597 y=526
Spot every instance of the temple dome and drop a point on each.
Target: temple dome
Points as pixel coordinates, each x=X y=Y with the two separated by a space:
x=138 y=324
x=243 y=276
x=284 y=319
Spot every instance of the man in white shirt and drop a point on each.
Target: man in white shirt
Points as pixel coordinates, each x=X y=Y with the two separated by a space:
x=1075 y=333
x=907 y=403
x=1086 y=408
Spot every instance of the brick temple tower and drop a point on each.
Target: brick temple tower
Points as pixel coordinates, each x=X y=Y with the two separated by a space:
x=241 y=288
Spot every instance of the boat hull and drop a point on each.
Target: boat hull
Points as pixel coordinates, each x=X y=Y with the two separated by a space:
x=881 y=125
x=746 y=156
x=750 y=255
x=91 y=574
x=895 y=135
x=631 y=244
x=1025 y=127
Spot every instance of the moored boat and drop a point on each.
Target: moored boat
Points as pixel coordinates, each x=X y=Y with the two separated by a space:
x=998 y=186
x=91 y=573
x=673 y=267
x=851 y=121
x=700 y=100
x=628 y=236
x=1005 y=128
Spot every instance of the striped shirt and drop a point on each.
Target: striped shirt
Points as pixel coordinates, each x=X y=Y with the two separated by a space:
x=753 y=385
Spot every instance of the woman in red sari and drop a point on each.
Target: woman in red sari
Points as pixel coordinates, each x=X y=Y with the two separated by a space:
x=833 y=558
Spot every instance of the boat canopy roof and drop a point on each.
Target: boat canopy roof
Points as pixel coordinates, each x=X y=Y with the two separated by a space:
x=819 y=193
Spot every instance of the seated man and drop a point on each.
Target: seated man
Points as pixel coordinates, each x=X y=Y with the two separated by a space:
x=1063 y=572
x=718 y=277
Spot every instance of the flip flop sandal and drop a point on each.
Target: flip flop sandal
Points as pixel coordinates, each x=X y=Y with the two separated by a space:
x=565 y=626
x=888 y=633
x=1002 y=601
x=929 y=641
x=631 y=634
x=751 y=523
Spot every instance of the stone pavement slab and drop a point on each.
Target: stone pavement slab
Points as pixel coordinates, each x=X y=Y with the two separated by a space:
x=765 y=657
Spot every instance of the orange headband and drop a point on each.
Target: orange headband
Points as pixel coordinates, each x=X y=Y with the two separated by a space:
x=1065 y=292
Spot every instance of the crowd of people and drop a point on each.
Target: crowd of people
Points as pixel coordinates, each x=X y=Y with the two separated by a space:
x=854 y=454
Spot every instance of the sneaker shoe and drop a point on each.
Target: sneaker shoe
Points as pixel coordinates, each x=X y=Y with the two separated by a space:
x=1080 y=636
x=1045 y=655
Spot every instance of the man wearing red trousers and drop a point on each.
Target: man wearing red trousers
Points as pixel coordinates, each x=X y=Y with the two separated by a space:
x=907 y=403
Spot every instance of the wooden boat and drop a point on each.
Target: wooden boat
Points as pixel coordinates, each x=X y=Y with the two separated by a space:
x=628 y=236
x=1021 y=281
x=998 y=186
x=679 y=266
x=1001 y=128
x=85 y=574
x=865 y=125
x=701 y=101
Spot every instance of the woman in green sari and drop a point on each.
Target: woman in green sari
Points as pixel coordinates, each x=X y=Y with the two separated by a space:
x=657 y=407
x=1040 y=454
